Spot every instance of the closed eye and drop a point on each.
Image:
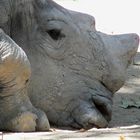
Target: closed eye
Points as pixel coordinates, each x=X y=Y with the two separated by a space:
x=55 y=34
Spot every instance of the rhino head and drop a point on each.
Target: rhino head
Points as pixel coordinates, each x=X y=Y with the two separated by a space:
x=75 y=69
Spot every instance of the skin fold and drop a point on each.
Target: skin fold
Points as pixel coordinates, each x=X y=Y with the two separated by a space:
x=56 y=66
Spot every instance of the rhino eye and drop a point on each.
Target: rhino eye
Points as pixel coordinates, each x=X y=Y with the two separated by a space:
x=55 y=34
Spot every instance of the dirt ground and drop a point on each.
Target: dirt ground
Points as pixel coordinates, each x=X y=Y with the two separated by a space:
x=125 y=124
x=129 y=92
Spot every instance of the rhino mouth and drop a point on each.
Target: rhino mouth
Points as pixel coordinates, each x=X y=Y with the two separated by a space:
x=101 y=96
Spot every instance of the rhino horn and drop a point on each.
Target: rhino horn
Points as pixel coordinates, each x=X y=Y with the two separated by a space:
x=123 y=48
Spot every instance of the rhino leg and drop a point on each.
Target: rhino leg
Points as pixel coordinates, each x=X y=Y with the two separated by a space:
x=17 y=112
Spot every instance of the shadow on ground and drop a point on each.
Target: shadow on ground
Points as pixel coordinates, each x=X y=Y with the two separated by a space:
x=130 y=91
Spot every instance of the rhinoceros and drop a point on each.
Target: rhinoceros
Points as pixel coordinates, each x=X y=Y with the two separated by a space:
x=56 y=68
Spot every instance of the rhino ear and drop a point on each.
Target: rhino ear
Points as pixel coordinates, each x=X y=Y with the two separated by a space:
x=14 y=66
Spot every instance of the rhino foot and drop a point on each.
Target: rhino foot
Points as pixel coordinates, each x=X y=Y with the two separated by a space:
x=42 y=121
x=29 y=122
x=24 y=122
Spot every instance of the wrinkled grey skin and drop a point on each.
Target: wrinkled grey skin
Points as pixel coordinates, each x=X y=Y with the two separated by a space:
x=73 y=70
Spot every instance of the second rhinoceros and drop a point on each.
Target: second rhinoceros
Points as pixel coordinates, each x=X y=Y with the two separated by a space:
x=64 y=70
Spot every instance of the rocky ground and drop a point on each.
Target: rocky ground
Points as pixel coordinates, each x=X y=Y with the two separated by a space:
x=125 y=124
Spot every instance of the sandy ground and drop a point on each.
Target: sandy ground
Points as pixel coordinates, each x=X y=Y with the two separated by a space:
x=125 y=124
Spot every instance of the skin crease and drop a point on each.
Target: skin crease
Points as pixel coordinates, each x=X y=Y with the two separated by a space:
x=73 y=70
